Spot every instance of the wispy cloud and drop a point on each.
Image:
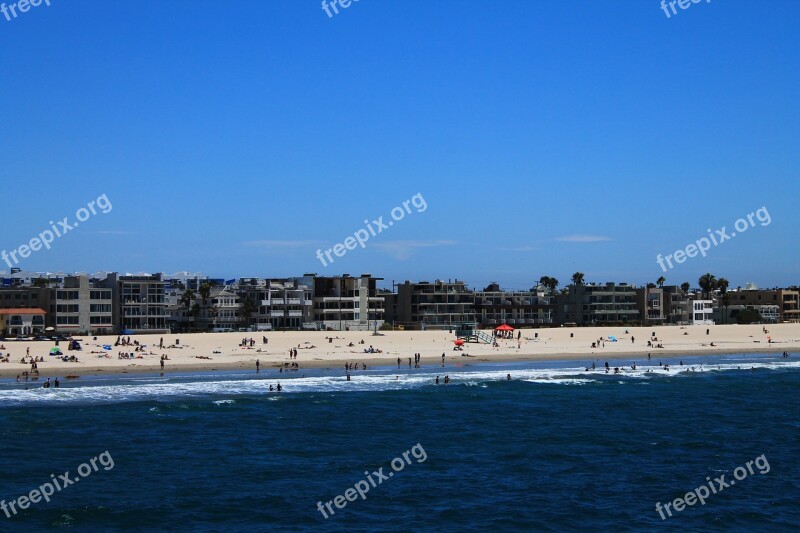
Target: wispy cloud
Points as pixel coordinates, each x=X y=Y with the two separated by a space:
x=404 y=249
x=112 y=232
x=281 y=244
x=525 y=248
x=583 y=238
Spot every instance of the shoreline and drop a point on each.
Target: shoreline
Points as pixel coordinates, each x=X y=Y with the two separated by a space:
x=203 y=352
x=333 y=365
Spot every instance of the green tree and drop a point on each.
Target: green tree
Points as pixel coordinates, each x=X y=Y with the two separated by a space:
x=660 y=281
x=685 y=286
x=577 y=278
x=748 y=316
x=549 y=283
x=187 y=298
x=707 y=282
x=722 y=285
x=248 y=308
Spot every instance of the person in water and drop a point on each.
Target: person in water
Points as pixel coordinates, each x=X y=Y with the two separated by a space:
x=508 y=377
x=437 y=380
x=279 y=387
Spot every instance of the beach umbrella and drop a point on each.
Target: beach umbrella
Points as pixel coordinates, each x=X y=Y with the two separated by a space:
x=55 y=351
x=459 y=342
x=504 y=327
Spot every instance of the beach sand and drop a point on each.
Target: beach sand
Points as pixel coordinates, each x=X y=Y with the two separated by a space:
x=315 y=351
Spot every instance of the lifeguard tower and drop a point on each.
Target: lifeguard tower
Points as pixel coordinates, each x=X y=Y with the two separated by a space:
x=468 y=332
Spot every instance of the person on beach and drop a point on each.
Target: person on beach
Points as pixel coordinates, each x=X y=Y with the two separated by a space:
x=258 y=366
x=162 y=362
x=398 y=362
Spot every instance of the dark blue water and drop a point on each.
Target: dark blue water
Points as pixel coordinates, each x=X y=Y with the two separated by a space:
x=554 y=449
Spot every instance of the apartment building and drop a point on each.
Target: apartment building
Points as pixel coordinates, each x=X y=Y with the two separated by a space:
x=440 y=305
x=493 y=306
x=347 y=302
x=80 y=305
x=786 y=300
x=595 y=304
x=139 y=302
x=268 y=304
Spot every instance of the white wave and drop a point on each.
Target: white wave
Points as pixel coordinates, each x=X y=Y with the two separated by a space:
x=127 y=390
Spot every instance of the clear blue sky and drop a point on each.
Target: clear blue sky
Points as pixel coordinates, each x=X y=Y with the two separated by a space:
x=236 y=138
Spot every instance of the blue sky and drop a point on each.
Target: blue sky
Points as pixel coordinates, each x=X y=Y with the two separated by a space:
x=236 y=138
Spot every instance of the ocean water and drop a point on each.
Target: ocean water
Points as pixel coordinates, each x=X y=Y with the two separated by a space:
x=556 y=448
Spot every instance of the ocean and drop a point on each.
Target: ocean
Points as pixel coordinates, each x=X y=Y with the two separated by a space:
x=556 y=448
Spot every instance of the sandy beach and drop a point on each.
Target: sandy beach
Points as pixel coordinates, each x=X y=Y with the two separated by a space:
x=321 y=349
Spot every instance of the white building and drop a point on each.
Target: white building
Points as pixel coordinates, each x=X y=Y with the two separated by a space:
x=702 y=312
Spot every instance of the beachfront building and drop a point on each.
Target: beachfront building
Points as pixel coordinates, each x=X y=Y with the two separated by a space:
x=223 y=312
x=270 y=304
x=702 y=312
x=139 y=302
x=22 y=322
x=345 y=302
x=677 y=305
x=652 y=307
x=493 y=307
x=439 y=305
x=784 y=300
x=19 y=296
x=79 y=304
x=730 y=314
x=593 y=304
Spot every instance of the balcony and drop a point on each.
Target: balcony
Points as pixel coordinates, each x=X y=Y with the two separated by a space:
x=295 y=313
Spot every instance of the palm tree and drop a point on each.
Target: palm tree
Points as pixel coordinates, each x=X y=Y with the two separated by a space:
x=248 y=308
x=577 y=278
x=205 y=294
x=723 y=284
x=186 y=299
x=685 y=286
x=660 y=281
x=194 y=312
x=549 y=283
x=707 y=282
